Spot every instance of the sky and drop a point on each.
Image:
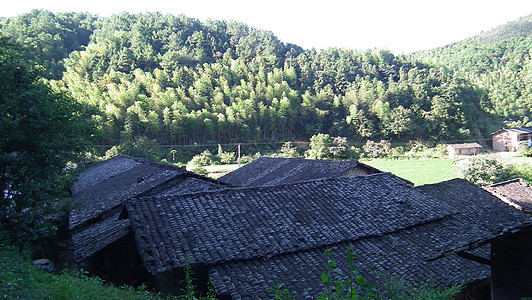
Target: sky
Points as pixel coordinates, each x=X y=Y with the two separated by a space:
x=402 y=26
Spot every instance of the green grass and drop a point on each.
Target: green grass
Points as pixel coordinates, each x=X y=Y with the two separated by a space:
x=419 y=172
x=19 y=279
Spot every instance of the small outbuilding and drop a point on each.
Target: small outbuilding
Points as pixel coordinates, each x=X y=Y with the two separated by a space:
x=508 y=139
x=463 y=149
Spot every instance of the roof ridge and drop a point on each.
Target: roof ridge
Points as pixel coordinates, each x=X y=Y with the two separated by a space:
x=276 y=187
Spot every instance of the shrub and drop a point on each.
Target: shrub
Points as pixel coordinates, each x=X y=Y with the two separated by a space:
x=525 y=149
x=224 y=157
x=288 y=150
x=485 y=170
x=374 y=150
x=201 y=160
x=319 y=146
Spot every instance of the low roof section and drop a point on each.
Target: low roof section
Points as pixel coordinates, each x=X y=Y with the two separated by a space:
x=255 y=238
x=465 y=146
x=103 y=189
x=515 y=192
x=268 y=171
x=110 y=183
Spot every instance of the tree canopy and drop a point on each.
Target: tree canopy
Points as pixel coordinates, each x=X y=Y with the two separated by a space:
x=177 y=80
x=41 y=131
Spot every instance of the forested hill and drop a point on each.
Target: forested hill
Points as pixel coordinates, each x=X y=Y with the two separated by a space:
x=498 y=61
x=180 y=81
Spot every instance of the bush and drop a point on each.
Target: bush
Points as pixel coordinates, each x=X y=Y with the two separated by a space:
x=319 y=146
x=375 y=150
x=525 y=150
x=485 y=170
x=249 y=158
x=140 y=147
x=225 y=158
x=288 y=150
x=201 y=160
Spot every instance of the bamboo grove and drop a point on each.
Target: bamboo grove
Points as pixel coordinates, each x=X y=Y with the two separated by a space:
x=177 y=80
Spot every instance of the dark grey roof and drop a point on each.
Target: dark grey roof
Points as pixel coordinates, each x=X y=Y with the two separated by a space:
x=111 y=228
x=253 y=239
x=94 y=238
x=101 y=191
x=515 y=192
x=267 y=171
x=481 y=217
x=378 y=259
x=244 y=224
x=409 y=253
x=110 y=183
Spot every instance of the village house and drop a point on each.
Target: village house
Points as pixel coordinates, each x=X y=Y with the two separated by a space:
x=143 y=223
x=100 y=193
x=463 y=149
x=267 y=171
x=508 y=139
x=249 y=240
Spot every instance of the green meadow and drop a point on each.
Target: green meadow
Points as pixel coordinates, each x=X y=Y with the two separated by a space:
x=419 y=172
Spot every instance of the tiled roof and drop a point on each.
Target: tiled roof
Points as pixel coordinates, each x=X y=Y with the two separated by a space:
x=268 y=171
x=392 y=256
x=99 y=235
x=518 y=130
x=243 y=224
x=253 y=239
x=111 y=228
x=465 y=146
x=408 y=254
x=481 y=217
x=110 y=183
x=515 y=192
x=102 y=190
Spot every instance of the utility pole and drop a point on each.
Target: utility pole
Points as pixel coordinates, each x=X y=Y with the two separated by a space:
x=238 y=155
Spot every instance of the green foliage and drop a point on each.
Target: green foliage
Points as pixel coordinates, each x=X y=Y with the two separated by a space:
x=21 y=280
x=288 y=151
x=377 y=149
x=353 y=285
x=140 y=147
x=319 y=146
x=201 y=160
x=42 y=130
x=180 y=81
x=499 y=62
x=485 y=170
x=525 y=150
x=225 y=157
x=48 y=38
x=396 y=289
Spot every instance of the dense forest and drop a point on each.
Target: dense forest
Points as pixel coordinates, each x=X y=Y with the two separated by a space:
x=177 y=80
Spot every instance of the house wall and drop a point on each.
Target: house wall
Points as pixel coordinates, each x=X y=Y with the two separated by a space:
x=505 y=141
x=511 y=266
x=462 y=151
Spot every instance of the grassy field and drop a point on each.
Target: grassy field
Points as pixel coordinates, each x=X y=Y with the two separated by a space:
x=423 y=171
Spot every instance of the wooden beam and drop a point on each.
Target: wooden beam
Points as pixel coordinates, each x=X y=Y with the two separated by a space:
x=473 y=257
